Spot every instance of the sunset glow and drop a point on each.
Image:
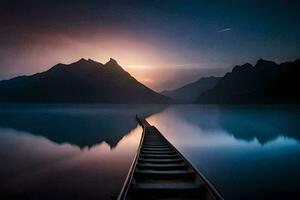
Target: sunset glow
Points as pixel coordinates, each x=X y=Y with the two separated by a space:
x=144 y=37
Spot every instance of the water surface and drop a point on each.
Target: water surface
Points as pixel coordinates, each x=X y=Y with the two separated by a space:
x=85 y=151
x=67 y=152
x=247 y=152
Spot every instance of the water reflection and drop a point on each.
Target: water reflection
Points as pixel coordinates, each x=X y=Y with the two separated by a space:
x=36 y=168
x=67 y=151
x=264 y=123
x=82 y=125
x=247 y=152
x=249 y=123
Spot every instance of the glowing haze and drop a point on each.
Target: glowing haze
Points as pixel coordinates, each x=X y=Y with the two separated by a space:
x=164 y=44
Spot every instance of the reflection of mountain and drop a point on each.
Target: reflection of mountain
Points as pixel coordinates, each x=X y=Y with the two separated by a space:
x=265 y=123
x=79 y=125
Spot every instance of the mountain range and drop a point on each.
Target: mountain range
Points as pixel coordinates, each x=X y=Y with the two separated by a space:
x=262 y=83
x=84 y=81
x=190 y=92
x=88 y=81
x=265 y=82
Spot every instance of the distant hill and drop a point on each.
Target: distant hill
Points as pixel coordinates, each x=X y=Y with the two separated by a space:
x=189 y=93
x=84 y=81
x=265 y=82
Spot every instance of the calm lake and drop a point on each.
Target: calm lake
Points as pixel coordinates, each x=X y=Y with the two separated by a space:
x=85 y=151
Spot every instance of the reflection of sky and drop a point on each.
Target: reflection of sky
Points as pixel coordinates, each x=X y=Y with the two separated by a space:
x=186 y=134
x=240 y=167
x=212 y=126
x=62 y=151
x=81 y=125
x=37 y=166
x=211 y=137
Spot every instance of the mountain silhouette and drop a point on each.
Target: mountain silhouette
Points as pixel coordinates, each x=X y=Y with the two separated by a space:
x=189 y=92
x=265 y=82
x=84 y=81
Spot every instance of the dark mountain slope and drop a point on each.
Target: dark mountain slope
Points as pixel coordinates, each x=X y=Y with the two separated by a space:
x=84 y=81
x=189 y=93
x=266 y=82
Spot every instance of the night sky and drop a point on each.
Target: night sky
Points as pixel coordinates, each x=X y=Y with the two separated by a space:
x=187 y=39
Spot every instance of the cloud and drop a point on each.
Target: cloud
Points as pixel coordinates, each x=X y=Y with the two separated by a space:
x=225 y=30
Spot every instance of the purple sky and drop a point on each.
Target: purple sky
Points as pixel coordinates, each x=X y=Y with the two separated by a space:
x=164 y=44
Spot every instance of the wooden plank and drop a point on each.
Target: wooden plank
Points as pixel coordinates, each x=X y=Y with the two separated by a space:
x=168 y=186
x=161 y=172
x=151 y=160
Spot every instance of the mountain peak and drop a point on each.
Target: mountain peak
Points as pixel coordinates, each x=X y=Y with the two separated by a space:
x=85 y=61
x=242 y=68
x=81 y=60
x=88 y=61
x=112 y=62
x=264 y=62
x=265 y=65
x=87 y=82
x=111 y=59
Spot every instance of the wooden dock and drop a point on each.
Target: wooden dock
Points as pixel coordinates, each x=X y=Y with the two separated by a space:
x=159 y=171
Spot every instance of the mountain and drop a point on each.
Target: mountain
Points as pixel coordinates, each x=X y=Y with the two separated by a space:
x=84 y=81
x=189 y=93
x=265 y=82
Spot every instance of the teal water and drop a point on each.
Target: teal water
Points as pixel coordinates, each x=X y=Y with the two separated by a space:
x=247 y=152
x=85 y=151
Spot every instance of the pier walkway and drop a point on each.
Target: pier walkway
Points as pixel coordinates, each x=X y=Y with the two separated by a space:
x=160 y=171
